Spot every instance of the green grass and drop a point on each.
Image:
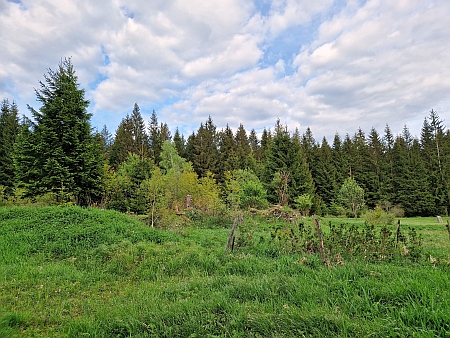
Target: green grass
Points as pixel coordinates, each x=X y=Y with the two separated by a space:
x=72 y=272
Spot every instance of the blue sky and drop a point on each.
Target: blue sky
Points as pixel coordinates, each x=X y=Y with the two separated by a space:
x=333 y=66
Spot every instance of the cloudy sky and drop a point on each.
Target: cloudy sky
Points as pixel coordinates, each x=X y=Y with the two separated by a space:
x=334 y=66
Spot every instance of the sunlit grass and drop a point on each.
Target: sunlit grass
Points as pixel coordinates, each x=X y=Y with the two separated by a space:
x=71 y=272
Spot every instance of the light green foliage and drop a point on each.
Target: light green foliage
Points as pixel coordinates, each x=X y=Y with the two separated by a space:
x=304 y=203
x=351 y=196
x=123 y=191
x=379 y=216
x=154 y=192
x=244 y=190
x=170 y=160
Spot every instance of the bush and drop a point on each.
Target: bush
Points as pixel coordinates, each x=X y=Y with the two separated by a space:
x=379 y=216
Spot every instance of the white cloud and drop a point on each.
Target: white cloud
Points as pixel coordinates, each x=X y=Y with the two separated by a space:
x=367 y=64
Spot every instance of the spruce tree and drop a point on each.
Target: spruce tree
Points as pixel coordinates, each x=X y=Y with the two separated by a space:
x=66 y=154
x=285 y=166
x=325 y=173
x=411 y=184
x=179 y=143
x=205 y=155
x=139 y=136
x=228 y=157
x=122 y=146
x=432 y=136
x=243 y=149
x=9 y=129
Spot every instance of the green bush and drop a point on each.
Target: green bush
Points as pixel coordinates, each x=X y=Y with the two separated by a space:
x=378 y=216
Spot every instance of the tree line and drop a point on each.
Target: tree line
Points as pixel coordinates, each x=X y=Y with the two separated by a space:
x=142 y=168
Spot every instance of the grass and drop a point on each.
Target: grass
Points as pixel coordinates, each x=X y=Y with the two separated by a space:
x=72 y=272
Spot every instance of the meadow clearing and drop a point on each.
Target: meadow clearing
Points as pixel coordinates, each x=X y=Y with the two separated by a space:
x=80 y=272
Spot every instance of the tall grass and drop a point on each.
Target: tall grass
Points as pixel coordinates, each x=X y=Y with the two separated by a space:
x=72 y=272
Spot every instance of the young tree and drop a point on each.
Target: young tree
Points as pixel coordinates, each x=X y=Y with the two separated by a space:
x=351 y=195
x=66 y=154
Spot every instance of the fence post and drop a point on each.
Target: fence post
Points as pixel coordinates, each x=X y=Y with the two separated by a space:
x=320 y=237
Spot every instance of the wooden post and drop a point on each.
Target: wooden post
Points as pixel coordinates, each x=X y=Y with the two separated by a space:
x=320 y=237
x=397 y=232
x=448 y=229
x=230 y=244
x=188 y=202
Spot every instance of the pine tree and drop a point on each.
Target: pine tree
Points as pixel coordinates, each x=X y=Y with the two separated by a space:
x=266 y=140
x=432 y=136
x=388 y=144
x=105 y=140
x=325 y=173
x=411 y=184
x=66 y=154
x=376 y=170
x=9 y=129
x=154 y=134
x=139 y=136
x=122 y=146
x=205 y=155
x=228 y=158
x=254 y=144
x=179 y=143
x=243 y=149
x=286 y=166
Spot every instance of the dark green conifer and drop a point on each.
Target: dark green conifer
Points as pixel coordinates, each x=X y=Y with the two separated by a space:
x=9 y=129
x=66 y=154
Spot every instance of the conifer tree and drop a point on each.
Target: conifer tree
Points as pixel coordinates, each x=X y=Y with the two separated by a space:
x=376 y=170
x=286 y=165
x=122 y=146
x=179 y=143
x=325 y=174
x=205 y=155
x=9 y=129
x=105 y=140
x=254 y=144
x=243 y=149
x=388 y=144
x=139 y=136
x=228 y=157
x=432 y=136
x=66 y=154
x=411 y=184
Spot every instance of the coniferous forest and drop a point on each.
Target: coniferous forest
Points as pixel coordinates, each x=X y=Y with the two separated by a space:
x=57 y=157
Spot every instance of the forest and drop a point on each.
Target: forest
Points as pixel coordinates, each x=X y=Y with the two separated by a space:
x=57 y=157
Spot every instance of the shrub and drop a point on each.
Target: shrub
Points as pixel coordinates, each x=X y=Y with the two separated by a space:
x=379 y=216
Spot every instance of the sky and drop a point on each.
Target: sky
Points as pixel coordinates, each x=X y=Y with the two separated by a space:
x=333 y=66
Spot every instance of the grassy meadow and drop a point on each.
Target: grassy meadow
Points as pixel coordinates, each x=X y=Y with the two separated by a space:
x=73 y=272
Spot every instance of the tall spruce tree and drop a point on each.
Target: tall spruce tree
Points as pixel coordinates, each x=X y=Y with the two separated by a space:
x=139 y=136
x=228 y=158
x=243 y=149
x=9 y=129
x=179 y=143
x=66 y=154
x=286 y=168
x=432 y=136
x=122 y=146
x=411 y=183
x=205 y=155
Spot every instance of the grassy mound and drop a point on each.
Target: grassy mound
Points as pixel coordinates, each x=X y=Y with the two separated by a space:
x=63 y=232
